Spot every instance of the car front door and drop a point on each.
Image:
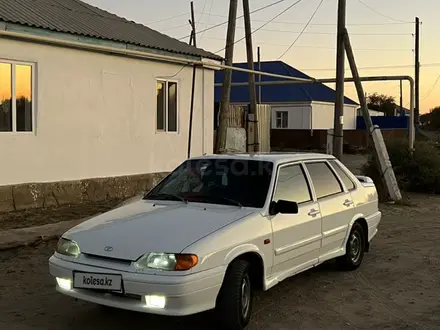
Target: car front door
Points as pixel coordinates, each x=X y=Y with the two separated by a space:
x=336 y=206
x=297 y=237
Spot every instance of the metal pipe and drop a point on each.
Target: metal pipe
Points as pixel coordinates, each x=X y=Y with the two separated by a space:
x=332 y=80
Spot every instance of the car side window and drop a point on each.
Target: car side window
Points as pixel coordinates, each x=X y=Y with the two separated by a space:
x=292 y=185
x=323 y=179
x=344 y=177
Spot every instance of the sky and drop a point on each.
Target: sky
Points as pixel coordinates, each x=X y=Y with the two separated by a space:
x=382 y=36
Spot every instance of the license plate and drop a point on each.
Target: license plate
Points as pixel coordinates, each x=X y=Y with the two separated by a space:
x=97 y=281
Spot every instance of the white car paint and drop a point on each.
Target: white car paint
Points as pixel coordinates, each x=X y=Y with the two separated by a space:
x=217 y=234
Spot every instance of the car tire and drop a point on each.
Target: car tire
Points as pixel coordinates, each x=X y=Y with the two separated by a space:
x=355 y=249
x=234 y=302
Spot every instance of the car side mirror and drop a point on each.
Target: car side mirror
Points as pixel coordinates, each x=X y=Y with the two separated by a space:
x=283 y=207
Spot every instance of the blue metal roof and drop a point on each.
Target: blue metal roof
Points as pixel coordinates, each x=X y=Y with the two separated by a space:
x=280 y=93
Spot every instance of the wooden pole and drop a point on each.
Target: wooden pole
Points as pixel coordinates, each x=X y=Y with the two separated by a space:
x=417 y=72
x=338 y=139
x=252 y=90
x=220 y=145
x=259 y=76
x=193 y=87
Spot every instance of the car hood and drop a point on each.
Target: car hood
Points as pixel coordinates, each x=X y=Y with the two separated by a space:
x=144 y=226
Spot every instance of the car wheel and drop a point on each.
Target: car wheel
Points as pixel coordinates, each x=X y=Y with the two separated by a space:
x=234 y=302
x=355 y=249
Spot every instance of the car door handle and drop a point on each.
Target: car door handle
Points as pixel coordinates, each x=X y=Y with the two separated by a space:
x=314 y=213
x=348 y=203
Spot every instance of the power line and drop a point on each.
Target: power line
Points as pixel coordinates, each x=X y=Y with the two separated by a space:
x=303 y=30
x=209 y=12
x=203 y=11
x=431 y=89
x=381 y=67
x=262 y=26
x=323 y=24
x=252 y=12
x=169 y=18
x=381 y=14
x=323 y=47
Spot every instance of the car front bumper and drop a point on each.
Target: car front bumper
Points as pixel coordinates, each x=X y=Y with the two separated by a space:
x=185 y=294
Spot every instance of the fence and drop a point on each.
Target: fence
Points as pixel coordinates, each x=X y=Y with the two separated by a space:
x=385 y=122
x=237 y=120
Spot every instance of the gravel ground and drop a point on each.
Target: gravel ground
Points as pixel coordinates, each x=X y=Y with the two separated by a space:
x=397 y=287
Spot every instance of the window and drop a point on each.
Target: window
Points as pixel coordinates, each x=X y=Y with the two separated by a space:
x=292 y=185
x=324 y=181
x=282 y=119
x=16 y=96
x=344 y=177
x=166 y=106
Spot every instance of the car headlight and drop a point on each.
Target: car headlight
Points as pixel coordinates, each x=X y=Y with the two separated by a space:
x=68 y=247
x=167 y=261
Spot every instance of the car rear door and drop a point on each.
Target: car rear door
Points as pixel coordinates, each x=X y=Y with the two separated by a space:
x=336 y=206
x=297 y=237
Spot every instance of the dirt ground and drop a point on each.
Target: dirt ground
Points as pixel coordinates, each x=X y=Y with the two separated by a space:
x=44 y=216
x=397 y=287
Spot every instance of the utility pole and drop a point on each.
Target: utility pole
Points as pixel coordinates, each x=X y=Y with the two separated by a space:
x=226 y=92
x=380 y=149
x=259 y=76
x=401 y=97
x=252 y=145
x=338 y=127
x=417 y=73
x=193 y=87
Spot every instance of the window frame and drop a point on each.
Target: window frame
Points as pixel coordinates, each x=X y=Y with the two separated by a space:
x=281 y=112
x=340 y=179
x=306 y=177
x=325 y=162
x=165 y=130
x=33 y=66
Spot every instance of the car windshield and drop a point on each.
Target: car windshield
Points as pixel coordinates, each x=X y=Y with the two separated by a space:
x=217 y=181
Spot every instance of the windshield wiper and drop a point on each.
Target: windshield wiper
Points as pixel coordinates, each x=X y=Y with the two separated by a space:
x=226 y=199
x=164 y=196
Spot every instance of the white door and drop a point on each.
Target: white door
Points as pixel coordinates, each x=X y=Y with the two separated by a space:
x=336 y=208
x=297 y=237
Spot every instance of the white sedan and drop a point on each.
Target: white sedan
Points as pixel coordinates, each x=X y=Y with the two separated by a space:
x=217 y=229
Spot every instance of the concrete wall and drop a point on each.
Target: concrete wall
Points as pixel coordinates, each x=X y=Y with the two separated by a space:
x=95 y=117
x=323 y=116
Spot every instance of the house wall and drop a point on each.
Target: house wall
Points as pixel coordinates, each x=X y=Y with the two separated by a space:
x=323 y=116
x=298 y=115
x=95 y=117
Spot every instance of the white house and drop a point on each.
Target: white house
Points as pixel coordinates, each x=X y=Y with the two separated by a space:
x=87 y=94
x=294 y=106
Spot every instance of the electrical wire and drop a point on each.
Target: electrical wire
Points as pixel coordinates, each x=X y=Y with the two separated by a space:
x=381 y=14
x=431 y=89
x=262 y=26
x=203 y=12
x=209 y=12
x=303 y=30
x=322 y=24
x=226 y=22
x=169 y=18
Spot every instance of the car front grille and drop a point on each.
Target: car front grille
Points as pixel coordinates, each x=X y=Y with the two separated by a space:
x=95 y=257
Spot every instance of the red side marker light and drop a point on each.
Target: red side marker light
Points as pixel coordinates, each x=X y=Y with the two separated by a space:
x=266 y=241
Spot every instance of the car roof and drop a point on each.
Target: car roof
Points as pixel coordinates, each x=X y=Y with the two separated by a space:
x=274 y=157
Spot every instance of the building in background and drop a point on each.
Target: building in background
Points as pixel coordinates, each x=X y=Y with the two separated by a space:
x=70 y=114
x=69 y=111
x=300 y=112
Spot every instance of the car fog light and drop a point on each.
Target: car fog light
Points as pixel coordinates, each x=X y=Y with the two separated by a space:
x=155 y=301
x=64 y=283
